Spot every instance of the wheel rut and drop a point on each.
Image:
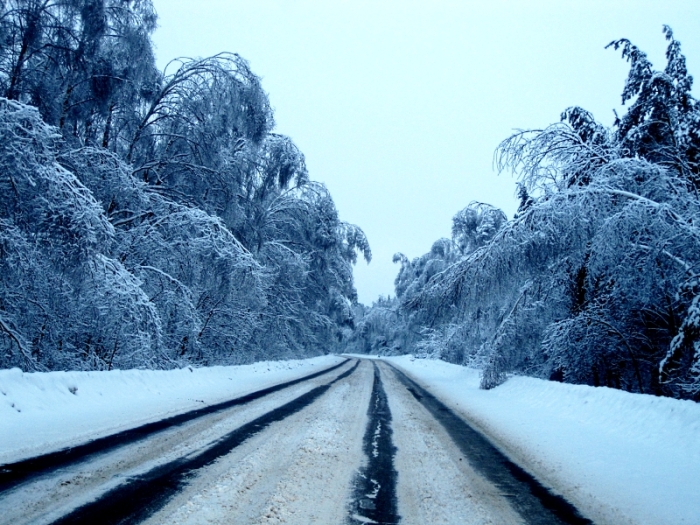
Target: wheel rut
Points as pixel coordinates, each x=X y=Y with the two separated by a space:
x=374 y=494
x=14 y=474
x=534 y=502
x=139 y=497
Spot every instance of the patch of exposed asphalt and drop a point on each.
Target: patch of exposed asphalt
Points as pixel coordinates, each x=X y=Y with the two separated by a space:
x=13 y=474
x=374 y=496
x=140 y=496
x=533 y=501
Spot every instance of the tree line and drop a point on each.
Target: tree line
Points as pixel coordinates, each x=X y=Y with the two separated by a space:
x=595 y=279
x=153 y=218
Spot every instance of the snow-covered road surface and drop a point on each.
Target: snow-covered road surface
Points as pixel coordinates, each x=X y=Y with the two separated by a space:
x=47 y=498
x=356 y=445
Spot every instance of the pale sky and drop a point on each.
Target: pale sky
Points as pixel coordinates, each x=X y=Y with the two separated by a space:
x=399 y=105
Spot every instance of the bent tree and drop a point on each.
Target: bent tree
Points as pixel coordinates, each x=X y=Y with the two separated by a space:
x=595 y=279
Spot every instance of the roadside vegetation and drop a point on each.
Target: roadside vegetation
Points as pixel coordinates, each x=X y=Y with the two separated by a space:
x=595 y=278
x=152 y=218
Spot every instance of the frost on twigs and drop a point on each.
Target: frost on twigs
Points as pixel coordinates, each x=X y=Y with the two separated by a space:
x=594 y=280
x=151 y=218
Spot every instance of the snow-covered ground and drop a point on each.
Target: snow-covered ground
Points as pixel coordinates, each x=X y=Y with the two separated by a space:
x=44 y=412
x=621 y=458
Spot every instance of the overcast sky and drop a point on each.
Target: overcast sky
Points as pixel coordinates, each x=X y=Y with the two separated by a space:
x=398 y=105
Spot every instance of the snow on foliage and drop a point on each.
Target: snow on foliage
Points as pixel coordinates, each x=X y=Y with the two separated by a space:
x=594 y=280
x=152 y=219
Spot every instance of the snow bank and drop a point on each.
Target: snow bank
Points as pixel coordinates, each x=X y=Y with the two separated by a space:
x=44 y=412
x=621 y=458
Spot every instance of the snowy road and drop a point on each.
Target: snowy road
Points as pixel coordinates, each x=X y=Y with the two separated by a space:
x=360 y=444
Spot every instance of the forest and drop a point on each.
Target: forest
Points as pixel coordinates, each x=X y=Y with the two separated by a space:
x=595 y=279
x=154 y=219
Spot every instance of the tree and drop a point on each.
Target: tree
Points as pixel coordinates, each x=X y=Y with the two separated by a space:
x=662 y=123
x=64 y=302
x=153 y=219
x=594 y=280
x=85 y=64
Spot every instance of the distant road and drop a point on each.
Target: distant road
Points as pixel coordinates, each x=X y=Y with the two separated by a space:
x=357 y=443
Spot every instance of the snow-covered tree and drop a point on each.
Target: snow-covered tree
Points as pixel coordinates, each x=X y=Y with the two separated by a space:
x=595 y=279
x=63 y=301
x=153 y=219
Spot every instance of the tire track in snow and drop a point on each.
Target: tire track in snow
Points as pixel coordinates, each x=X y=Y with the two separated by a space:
x=13 y=474
x=47 y=498
x=435 y=483
x=141 y=496
x=533 y=501
x=374 y=497
x=299 y=471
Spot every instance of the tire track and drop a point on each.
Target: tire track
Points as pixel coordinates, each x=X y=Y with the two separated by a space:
x=139 y=497
x=436 y=484
x=374 y=495
x=14 y=474
x=299 y=471
x=532 y=500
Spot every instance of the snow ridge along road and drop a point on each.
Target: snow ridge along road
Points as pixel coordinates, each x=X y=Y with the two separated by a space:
x=12 y=474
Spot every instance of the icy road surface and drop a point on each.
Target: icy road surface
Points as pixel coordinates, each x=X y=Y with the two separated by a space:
x=361 y=443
